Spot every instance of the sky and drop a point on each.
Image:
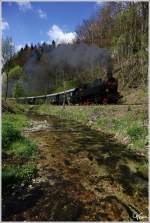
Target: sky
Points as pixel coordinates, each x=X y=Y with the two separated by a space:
x=35 y=22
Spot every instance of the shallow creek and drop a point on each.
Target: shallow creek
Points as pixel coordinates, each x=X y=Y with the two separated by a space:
x=83 y=175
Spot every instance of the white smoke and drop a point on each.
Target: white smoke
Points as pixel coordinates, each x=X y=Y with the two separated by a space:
x=57 y=34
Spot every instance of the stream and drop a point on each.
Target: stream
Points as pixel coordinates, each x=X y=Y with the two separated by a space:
x=83 y=175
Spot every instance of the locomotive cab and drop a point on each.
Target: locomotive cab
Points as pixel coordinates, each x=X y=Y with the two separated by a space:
x=112 y=93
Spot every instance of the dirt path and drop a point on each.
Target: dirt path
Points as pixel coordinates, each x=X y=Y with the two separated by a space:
x=82 y=176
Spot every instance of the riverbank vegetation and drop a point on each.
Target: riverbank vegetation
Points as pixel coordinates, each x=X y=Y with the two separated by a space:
x=18 y=152
x=128 y=124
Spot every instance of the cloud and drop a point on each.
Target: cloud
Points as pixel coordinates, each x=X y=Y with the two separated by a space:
x=5 y=25
x=57 y=34
x=18 y=47
x=42 y=14
x=99 y=2
x=24 y=6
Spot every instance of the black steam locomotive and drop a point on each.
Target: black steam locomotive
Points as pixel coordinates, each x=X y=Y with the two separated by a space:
x=97 y=92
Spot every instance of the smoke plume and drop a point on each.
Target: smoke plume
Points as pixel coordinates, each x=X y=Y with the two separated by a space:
x=42 y=72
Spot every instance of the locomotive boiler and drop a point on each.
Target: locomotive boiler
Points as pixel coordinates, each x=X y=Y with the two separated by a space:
x=98 y=92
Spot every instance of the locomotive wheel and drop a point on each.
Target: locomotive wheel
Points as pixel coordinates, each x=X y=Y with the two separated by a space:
x=105 y=101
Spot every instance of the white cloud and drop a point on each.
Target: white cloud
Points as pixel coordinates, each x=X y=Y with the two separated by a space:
x=99 y=2
x=5 y=25
x=42 y=14
x=18 y=47
x=24 y=6
x=57 y=34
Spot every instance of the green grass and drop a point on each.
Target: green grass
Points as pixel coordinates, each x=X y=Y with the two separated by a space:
x=15 y=147
x=14 y=174
x=9 y=134
x=143 y=170
x=13 y=106
x=136 y=132
x=18 y=120
x=11 y=128
x=128 y=124
x=23 y=148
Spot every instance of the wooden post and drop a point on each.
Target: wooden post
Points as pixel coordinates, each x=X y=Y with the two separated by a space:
x=64 y=90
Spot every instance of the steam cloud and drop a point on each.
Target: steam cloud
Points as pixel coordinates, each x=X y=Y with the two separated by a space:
x=78 y=57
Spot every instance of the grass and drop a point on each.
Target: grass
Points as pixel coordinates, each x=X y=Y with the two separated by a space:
x=135 y=96
x=23 y=148
x=143 y=170
x=13 y=107
x=128 y=124
x=15 y=147
x=14 y=174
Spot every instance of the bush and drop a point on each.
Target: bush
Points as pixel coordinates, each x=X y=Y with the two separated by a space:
x=18 y=90
x=16 y=72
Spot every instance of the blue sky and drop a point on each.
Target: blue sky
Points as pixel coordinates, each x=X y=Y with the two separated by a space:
x=33 y=22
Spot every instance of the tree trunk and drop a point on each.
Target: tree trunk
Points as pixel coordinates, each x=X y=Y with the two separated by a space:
x=6 y=86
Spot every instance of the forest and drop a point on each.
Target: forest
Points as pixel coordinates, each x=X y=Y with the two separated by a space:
x=119 y=29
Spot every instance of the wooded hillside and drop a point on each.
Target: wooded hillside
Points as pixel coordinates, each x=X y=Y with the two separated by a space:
x=119 y=27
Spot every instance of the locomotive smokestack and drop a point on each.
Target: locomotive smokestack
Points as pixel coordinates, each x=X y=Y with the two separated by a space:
x=109 y=72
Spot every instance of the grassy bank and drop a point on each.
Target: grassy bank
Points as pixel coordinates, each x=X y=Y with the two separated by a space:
x=18 y=152
x=128 y=124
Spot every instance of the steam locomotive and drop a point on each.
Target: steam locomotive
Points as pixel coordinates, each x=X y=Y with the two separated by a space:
x=97 y=92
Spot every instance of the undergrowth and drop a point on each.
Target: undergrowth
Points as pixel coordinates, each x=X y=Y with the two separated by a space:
x=18 y=152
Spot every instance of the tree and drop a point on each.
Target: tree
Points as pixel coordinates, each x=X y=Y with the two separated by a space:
x=8 y=50
x=18 y=90
x=53 y=44
x=122 y=28
x=15 y=73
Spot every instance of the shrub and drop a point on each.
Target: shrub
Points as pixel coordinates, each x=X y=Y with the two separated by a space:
x=16 y=72
x=18 y=90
